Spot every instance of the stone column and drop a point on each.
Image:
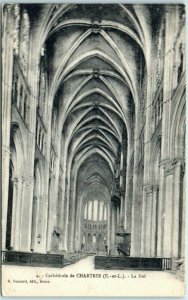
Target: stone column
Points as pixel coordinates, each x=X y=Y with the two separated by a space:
x=176 y=60
x=165 y=184
x=26 y=214
x=177 y=208
x=17 y=224
x=7 y=68
x=171 y=26
x=16 y=213
x=149 y=221
x=34 y=223
x=182 y=252
x=118 y=216
x=66 y=224
x=168 y=221
x=136 y=208
x=50 y=227
x=122 y=179
x=50 y=215
x=41 y=225
x=18 y=229
x=38 y=237
x=14 y=204
x=44 y=222
x=56 y=203
x=144 y=222
x=92 y=215
x=149 y=196
x=61 y=221
x=116 y=222
x=153 y=249
x=160 y=211
x=72 y=217
x=78 y=229
x=5 y=186
x=113 y=229
x=109 y=216
x=103 y=211
x=69 y=237
x=128 y=205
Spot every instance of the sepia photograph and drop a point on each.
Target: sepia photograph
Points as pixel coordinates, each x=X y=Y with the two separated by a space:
x=93 y=149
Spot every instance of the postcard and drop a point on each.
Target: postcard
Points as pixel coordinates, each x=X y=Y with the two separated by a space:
x=93 y=149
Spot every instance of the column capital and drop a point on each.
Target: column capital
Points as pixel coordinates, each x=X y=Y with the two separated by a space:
x=53 y=210
x=148 y=189
x=27 y=180
x=15 y=180
x=170 y=165
x=121 y=173
x=35 y=199
x=42 y=199
x=5 y=149
x=180 y=163
x=9 y=7
x=164 y=161
x=122 y=191
x=155 y=188
x=169 y=168
x=170 y=9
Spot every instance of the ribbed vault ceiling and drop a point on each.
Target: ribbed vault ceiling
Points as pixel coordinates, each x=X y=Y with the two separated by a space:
x=95 y=62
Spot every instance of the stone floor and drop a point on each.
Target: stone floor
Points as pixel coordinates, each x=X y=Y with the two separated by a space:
x=81 y=279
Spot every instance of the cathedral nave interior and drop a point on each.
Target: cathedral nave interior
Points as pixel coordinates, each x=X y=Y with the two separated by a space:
x=93 y=136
